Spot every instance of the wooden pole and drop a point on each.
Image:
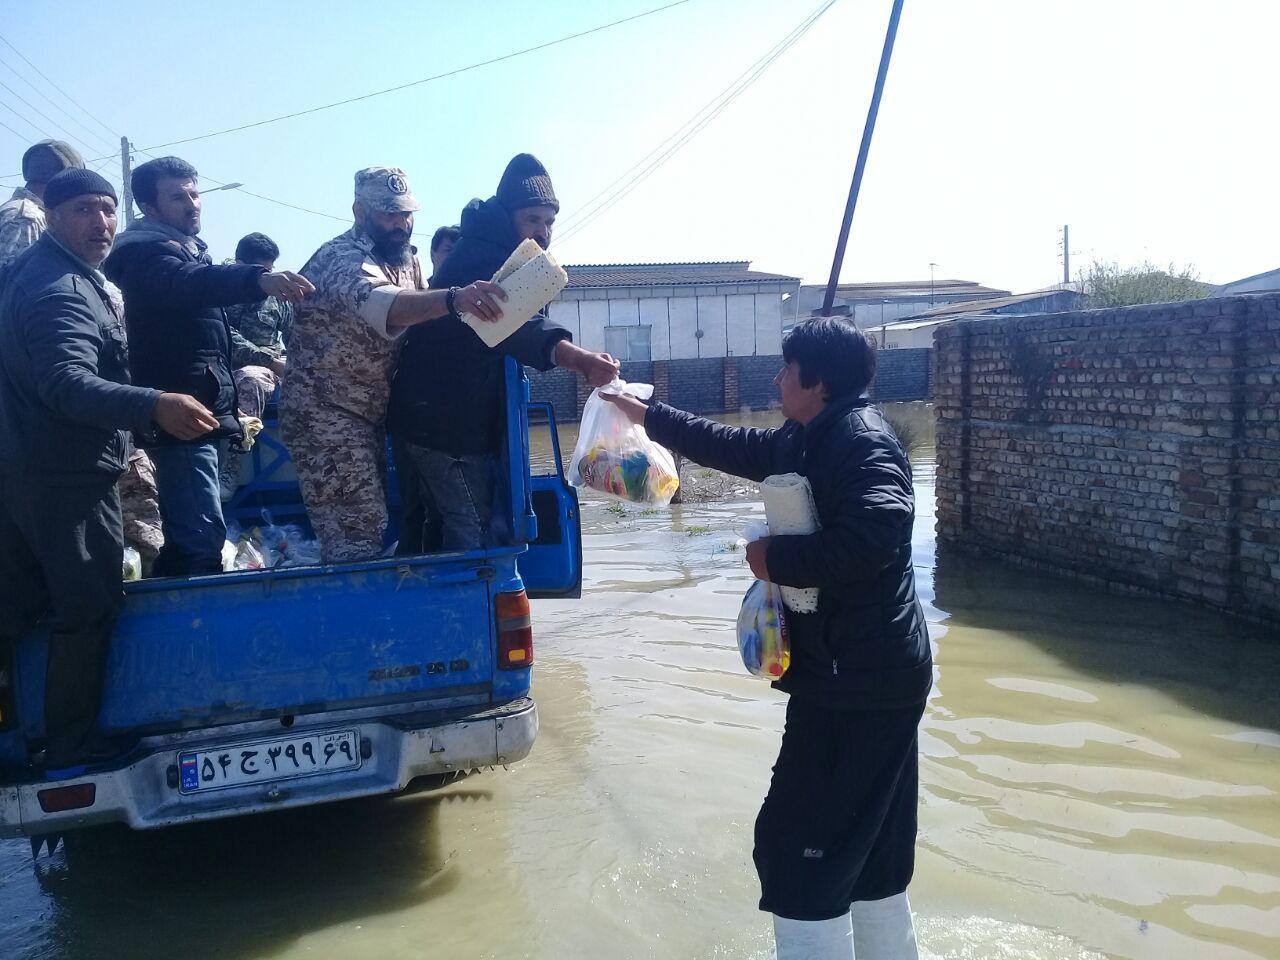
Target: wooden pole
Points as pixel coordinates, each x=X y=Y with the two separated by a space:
x=127 y=174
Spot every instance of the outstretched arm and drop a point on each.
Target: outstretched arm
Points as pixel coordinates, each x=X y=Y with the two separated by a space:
x=742 y=451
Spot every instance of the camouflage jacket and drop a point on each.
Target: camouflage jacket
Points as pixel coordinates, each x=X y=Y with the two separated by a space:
x=21 y=223
x=341 y=353
x=259 y=331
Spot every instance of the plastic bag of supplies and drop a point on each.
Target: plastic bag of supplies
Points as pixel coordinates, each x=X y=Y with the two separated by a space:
x=762 y=632
x=132 y=566
x=615 y=456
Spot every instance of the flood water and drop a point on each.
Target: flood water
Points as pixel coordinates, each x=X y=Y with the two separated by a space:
x=1100 y=778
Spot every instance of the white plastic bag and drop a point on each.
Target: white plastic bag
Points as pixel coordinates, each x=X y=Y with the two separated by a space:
x=132 y=567
x=615 y=456
x=248 y=556
x=287 y=546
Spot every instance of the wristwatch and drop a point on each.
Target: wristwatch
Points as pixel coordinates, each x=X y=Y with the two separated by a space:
x=451 y=303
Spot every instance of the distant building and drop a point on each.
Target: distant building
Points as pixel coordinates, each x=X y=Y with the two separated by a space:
x=1268 y=282
x=708 y=336
x=877 y=303
x=675 y=311
x=917 y=331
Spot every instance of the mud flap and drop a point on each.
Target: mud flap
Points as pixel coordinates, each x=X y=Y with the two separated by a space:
x=51 y=839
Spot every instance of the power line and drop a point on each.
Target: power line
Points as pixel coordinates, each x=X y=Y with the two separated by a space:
x=24 y=120
x=58 y=88
x=712 y=108
x=691 y=128
x=20 y=137
x=415 y=83
x=52 y=102
x=282 y=203
x=41 y=113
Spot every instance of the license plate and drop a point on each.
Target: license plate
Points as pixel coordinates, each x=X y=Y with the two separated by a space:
x=281 y=758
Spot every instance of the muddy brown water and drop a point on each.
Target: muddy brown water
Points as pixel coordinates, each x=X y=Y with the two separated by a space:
x=1100 y=778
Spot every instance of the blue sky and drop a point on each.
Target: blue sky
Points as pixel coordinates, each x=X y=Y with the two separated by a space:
x=1148 y=125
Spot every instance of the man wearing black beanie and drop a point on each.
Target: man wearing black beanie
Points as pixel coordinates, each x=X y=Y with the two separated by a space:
x=66 y=409
x=447 y=392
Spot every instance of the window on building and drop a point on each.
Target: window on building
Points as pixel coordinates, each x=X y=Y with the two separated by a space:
x=629 y=343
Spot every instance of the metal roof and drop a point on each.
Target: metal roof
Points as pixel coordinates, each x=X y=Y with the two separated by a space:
x=993 y=303
x=668 y=274
x=916 y=289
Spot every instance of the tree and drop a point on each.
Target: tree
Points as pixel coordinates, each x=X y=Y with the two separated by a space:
x=1111 y=285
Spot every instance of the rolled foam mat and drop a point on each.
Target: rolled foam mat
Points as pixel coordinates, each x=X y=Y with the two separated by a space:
x=789 y=508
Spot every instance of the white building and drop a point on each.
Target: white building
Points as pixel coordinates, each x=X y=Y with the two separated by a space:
x=676 y=311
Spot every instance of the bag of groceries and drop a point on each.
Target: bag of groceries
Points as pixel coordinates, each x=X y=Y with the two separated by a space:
x=615 y=456
x=762 y=631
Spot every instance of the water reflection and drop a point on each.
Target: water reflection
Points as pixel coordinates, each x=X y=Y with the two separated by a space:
x=1101 y=777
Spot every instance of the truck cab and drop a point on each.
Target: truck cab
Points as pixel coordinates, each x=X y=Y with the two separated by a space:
x=276 y=688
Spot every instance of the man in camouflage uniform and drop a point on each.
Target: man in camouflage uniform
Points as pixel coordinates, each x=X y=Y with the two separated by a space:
x=22 y=216
x=369 y=289
x=140 y=509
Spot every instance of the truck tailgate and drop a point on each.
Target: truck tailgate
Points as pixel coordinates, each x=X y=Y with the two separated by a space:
x=236 y=647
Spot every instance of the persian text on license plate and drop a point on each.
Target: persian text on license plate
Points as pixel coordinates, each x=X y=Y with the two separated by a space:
x=282 y=758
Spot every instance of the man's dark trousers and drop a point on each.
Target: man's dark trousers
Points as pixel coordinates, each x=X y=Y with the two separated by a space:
x=61 y=549
x=190 y=509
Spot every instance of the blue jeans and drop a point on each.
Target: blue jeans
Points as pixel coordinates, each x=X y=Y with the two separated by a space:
x=460 y=488
x=190 y=509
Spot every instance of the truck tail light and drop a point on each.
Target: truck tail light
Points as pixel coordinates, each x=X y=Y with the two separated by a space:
x=515 y=631
x=58 y=799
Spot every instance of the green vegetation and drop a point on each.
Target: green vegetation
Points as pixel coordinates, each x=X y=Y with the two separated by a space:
x=913 y=423
x=1111 y=285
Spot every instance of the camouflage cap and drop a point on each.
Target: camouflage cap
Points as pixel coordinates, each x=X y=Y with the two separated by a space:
x=385 y=189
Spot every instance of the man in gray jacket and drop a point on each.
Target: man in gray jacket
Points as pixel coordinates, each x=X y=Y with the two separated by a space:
x=65 y=408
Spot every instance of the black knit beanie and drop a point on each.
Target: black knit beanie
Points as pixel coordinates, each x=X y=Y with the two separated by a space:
x=526 y=183
x=73 y=183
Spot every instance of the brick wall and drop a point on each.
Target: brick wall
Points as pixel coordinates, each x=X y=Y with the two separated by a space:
x=903 y=374
x=557 y=387
x=755 y=382
x=701 y=386
x=697 y=385
x=1137 y=447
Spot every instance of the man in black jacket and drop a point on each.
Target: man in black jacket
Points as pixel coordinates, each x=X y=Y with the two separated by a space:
x=180 y=341
x=65 y=408
x=836 y=835
x=447 y=393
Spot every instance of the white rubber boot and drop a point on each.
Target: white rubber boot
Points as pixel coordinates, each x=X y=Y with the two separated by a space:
x=813 y=939
x=883 y=930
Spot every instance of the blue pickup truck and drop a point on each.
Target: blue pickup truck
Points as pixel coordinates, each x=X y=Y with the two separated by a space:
x=268 y=689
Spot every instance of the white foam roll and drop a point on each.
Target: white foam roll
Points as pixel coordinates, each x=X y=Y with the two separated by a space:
x=529 y=288
x=789 y=508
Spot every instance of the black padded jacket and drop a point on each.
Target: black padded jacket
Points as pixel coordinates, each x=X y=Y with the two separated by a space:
x=867 y=646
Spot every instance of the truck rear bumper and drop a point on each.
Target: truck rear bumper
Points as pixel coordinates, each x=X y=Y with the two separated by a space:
x=145 y=793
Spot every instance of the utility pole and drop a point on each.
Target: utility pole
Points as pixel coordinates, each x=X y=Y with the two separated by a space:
x=932 y=266
x=1066 y=254
x=127 y=174
x=863 y=150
